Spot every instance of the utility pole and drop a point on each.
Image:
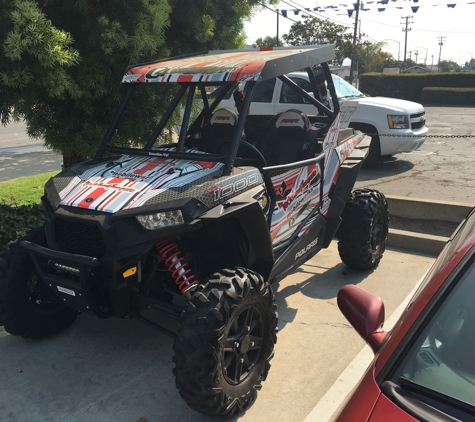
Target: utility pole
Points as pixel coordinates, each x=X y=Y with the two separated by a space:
x=426 y=49
x=277 y=38
x=357 y=79
x=354 y=41
x=416 y=53
x=406 y=30
x=441 y=43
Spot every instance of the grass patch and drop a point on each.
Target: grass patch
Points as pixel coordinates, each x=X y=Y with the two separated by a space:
x=24 y=190
x=20 y=206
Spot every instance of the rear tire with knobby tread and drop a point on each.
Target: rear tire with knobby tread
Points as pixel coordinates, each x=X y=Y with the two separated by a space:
x=364 y=229
x=28 y=307
x=225 y=342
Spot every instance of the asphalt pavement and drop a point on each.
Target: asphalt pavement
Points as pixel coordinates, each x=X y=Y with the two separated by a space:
x=442 y=169
x=21 y=155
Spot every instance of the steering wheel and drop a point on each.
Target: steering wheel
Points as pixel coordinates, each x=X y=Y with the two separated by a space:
x=256 y=156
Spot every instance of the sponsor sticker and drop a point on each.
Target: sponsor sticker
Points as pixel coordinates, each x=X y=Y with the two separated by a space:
x=66 y=291
x=130 y=78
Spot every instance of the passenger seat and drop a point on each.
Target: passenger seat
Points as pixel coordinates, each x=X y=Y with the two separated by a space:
x=289 y=137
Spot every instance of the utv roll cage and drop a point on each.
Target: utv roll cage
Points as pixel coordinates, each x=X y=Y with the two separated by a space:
x=305 y=58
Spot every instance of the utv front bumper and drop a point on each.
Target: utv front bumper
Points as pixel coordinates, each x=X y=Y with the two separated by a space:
x=78 y=280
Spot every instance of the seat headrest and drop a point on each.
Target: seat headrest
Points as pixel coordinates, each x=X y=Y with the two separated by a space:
x=292 y=119
x=224 y=116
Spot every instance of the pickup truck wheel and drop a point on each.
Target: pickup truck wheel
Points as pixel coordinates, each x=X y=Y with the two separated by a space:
x=225 y=342
x=364 y=229
x=28 y=307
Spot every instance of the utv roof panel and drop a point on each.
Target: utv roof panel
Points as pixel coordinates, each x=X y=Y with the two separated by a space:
x=230 y=65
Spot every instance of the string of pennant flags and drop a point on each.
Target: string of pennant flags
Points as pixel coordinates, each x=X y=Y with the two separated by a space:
x=355 y=6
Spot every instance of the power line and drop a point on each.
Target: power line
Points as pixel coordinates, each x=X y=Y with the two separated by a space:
x=295 y=4
x=423 y=30
x=276 y=11
x=314 y=14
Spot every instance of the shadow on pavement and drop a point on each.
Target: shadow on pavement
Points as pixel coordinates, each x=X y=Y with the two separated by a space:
x=316 y=285
x=391 y=166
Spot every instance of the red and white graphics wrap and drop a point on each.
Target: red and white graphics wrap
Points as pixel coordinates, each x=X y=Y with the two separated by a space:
x=335 y=154
x=212 y=67
x=297 y=192
x=131 y=181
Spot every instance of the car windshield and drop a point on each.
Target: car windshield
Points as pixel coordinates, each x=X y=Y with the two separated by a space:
x=441 y=358
x=344 y=89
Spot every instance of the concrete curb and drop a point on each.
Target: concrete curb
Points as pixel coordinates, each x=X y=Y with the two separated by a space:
x=416 y=241
x=423 y=209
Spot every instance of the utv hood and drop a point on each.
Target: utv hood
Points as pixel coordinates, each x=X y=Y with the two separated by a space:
x=132 y=181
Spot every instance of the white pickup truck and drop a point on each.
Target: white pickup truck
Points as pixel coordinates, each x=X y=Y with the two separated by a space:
x=395 y=125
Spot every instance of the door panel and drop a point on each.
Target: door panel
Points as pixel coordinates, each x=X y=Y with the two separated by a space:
x=296 y=193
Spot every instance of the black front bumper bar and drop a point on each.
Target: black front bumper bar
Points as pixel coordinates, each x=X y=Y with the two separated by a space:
x=76 y=294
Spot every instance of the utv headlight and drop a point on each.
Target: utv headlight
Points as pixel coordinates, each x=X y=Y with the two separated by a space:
x=396 y=121
x=161 y=220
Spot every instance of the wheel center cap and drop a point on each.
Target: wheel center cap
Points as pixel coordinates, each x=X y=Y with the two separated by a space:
x=245 y=343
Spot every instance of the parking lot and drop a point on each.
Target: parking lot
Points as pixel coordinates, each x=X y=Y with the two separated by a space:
x=121 y=371
x=443 y=167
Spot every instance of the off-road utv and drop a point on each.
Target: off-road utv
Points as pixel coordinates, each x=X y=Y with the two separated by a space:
x=189 y=236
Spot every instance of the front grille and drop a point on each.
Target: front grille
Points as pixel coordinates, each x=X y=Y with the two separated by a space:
x=418 y=120
x=79 y=238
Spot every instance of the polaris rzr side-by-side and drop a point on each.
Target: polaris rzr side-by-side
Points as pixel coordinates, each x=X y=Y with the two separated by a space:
x=189 y=236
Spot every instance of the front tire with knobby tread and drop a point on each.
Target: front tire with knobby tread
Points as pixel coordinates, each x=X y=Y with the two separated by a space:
x=364 y=229
x=225 y=342
x=28 y=307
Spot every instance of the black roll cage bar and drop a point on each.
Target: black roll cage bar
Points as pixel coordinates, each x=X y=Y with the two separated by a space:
x=204 y=116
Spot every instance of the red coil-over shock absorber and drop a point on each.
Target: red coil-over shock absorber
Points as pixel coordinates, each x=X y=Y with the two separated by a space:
x=173 y=259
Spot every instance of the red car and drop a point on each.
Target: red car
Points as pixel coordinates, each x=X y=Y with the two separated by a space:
x=424 y=368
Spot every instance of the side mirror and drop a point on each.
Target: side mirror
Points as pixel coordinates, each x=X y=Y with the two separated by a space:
x=365 y=312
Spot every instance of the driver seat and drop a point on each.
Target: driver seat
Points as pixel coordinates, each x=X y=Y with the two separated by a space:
x=221 y=127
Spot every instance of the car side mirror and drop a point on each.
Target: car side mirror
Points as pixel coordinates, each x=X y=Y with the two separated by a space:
x=365 y=312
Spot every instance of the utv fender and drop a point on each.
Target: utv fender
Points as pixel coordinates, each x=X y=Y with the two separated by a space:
x=341 y=191
x=248 y=213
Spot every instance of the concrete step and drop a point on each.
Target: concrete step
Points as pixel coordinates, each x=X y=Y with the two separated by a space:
x=423 y=225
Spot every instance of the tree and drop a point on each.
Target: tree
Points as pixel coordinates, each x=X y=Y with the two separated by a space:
x=267 y=42
x=449 y=66
x=197 y=25
x=371 y=57
x=71 y=104
x=408 y=63
x=319 y=31
x=61 y=61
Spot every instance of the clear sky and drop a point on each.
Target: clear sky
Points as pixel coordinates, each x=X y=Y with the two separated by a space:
x=433 y=19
